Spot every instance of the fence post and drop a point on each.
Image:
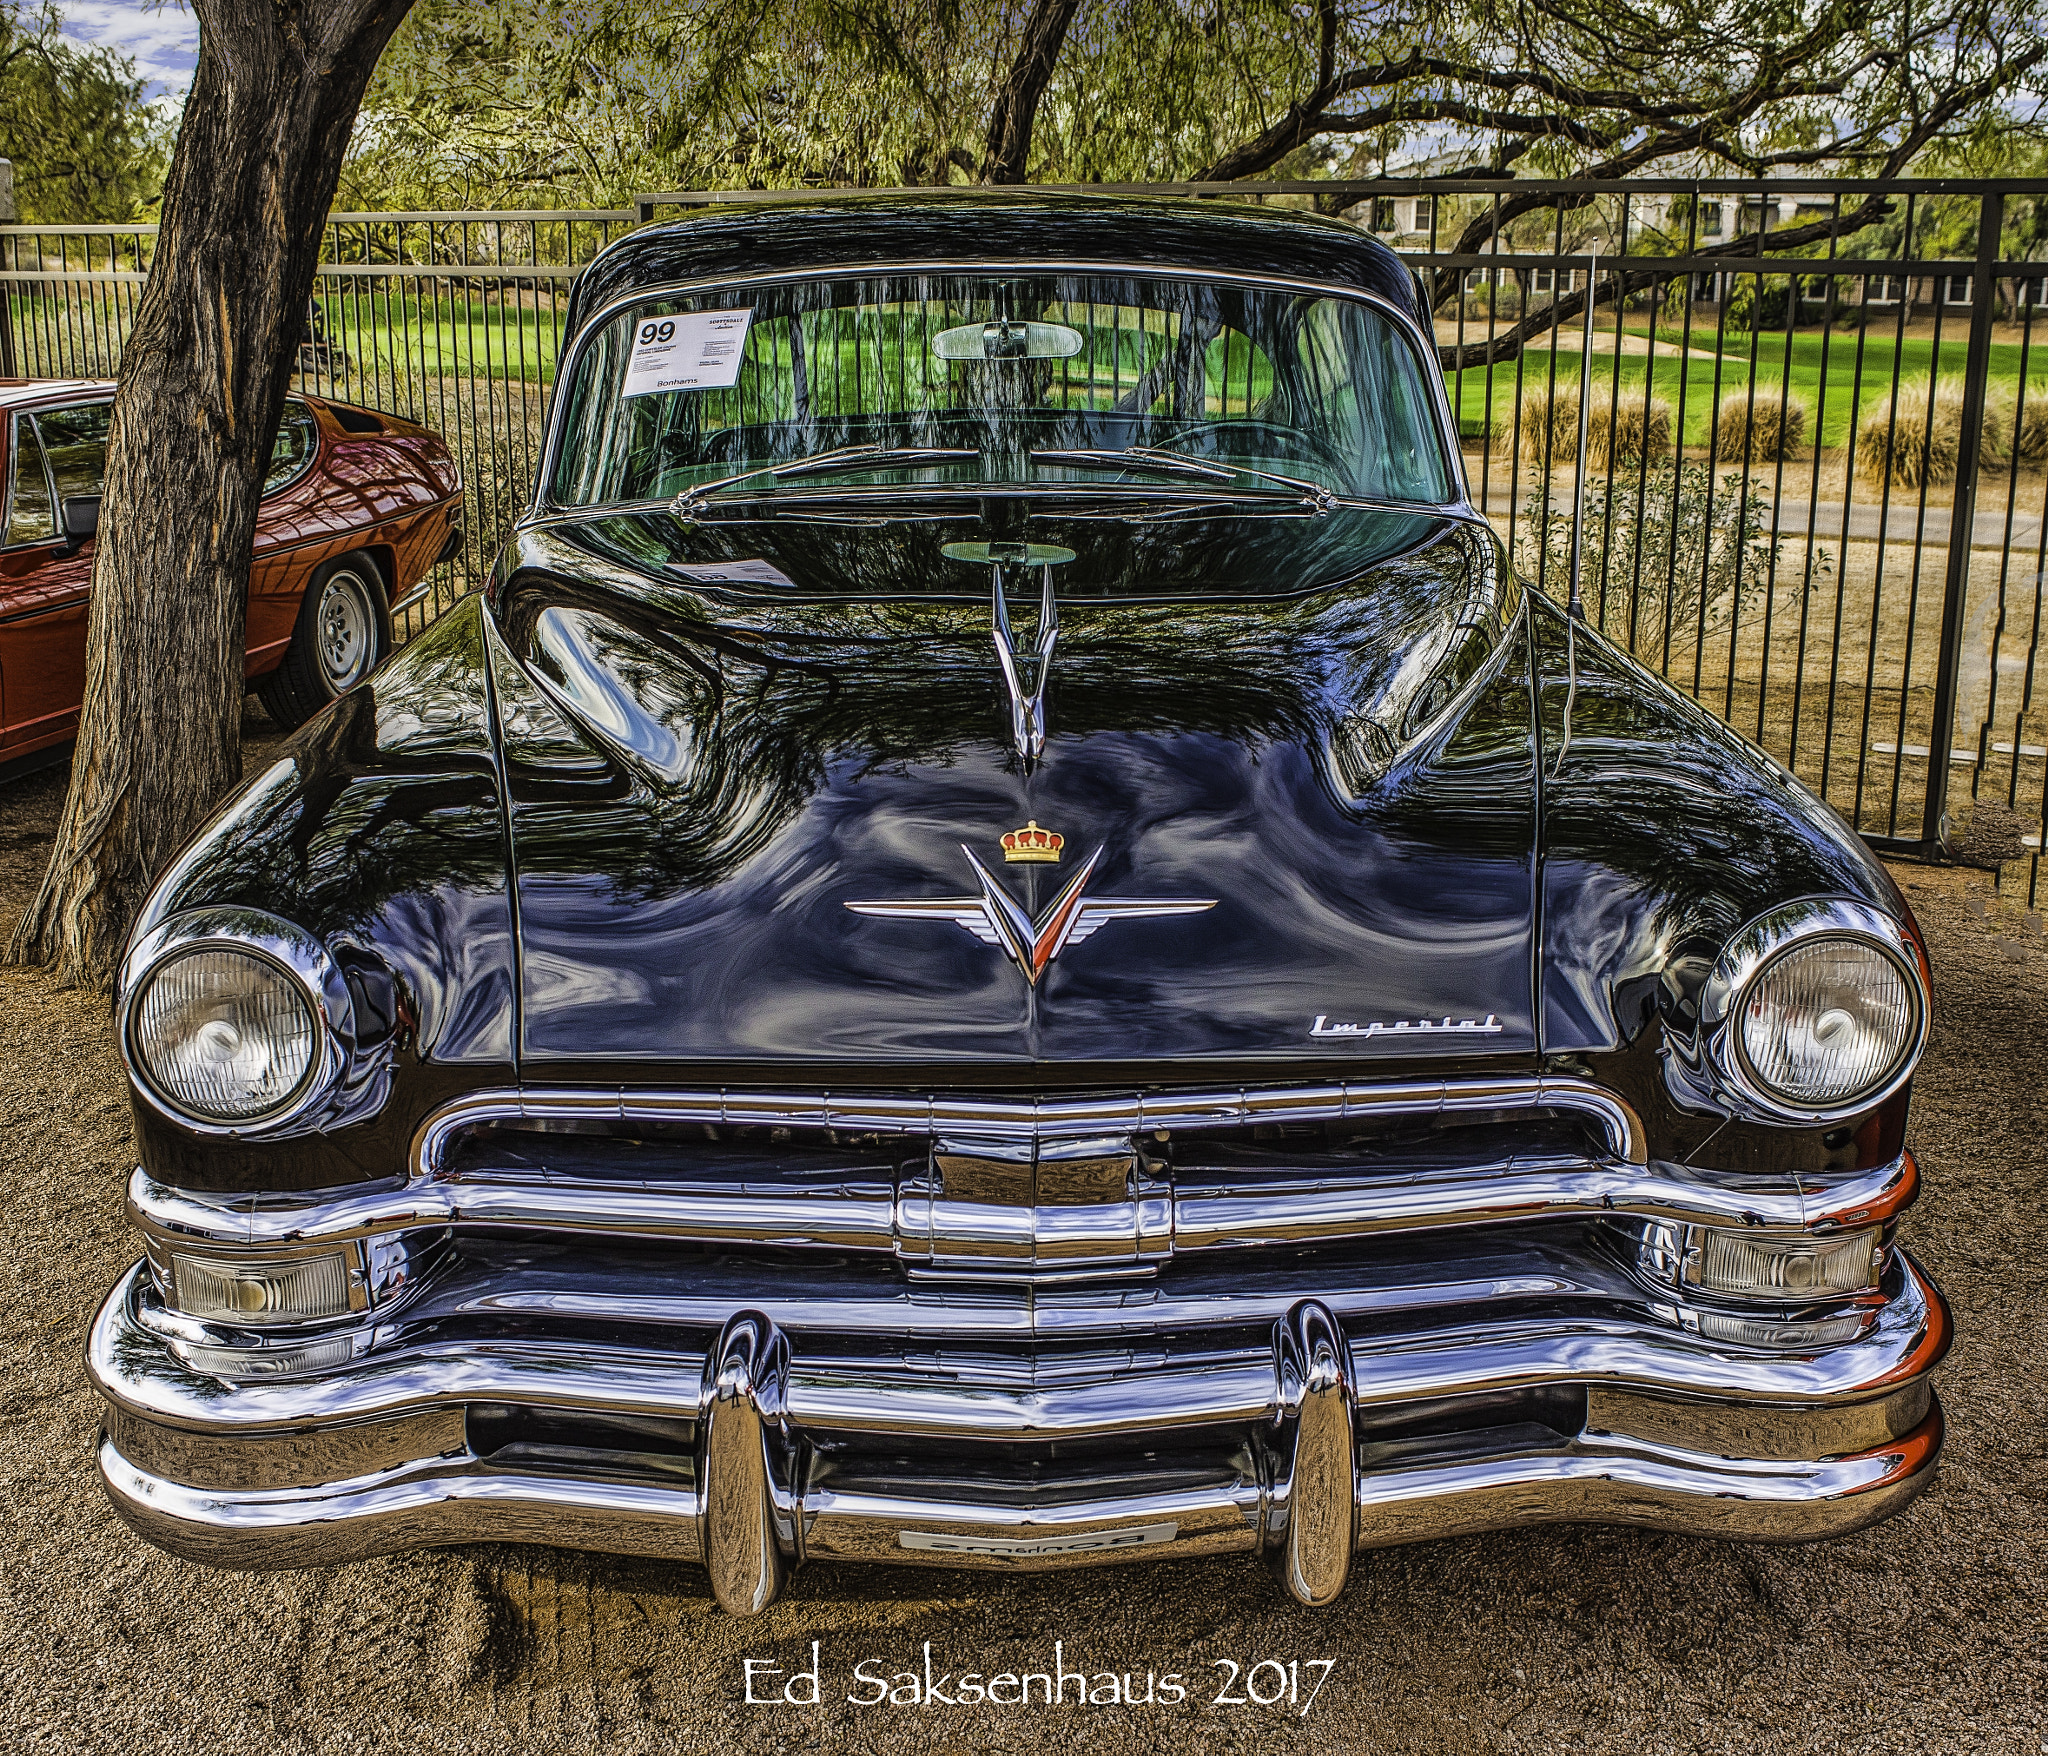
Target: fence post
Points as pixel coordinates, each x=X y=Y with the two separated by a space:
x=7 y=249
x=1962 y=518
x=8 y=368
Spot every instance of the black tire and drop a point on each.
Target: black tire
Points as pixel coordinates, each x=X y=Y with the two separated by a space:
x=343 y=632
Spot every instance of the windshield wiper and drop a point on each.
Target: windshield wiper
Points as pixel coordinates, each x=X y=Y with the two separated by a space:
x=1176 y=463
x=825 y=463
x=1140 y=457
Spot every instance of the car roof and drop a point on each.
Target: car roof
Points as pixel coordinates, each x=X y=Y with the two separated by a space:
x=20 y=392
x=854 y=228
x=25 y=392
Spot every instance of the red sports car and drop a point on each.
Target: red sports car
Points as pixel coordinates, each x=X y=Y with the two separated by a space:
x=356 y=507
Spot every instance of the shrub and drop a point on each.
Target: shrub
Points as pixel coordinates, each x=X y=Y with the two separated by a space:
x=2031 y=438
x=1541 y=429
x=1914 y=446
x=1549 y=429
x=1759 y=429
x=1627 y=433
x=1653 y=552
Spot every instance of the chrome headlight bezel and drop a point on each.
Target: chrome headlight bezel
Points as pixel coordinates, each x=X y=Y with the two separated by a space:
x=297 y=954
x=1749 y=955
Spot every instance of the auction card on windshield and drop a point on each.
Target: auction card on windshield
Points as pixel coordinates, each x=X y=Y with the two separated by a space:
x=697 y=350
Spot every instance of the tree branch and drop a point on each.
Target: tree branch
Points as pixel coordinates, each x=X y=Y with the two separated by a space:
x=1016 y=107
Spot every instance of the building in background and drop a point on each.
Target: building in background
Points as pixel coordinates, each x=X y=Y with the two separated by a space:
x=1685 y=223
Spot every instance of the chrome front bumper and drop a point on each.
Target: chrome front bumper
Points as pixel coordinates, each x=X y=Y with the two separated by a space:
x=1010 y=1334
x=751 y=1421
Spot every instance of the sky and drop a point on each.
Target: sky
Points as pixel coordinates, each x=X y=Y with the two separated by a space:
x=163 y=40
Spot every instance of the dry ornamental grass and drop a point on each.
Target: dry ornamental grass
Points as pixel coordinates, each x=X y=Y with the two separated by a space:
x=1547 y=433
x=1918 y=439
x=2029 y=426
x=1759 y=427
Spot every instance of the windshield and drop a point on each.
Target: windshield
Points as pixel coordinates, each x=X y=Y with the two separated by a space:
x=1040 y=382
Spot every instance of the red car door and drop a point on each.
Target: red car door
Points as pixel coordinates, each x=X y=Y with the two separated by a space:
x=52 y=455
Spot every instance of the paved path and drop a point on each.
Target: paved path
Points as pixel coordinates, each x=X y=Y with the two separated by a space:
x=1900 y=523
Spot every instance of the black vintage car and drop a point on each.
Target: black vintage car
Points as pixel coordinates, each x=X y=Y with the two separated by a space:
x=1006 y=940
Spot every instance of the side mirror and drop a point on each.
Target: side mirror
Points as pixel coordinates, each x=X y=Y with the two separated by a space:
x=81 y=519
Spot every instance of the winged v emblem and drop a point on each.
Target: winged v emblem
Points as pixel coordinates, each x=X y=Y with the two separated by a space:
x=995 y=918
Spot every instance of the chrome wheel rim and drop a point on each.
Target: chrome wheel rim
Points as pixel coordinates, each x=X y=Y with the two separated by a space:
x=344 y=630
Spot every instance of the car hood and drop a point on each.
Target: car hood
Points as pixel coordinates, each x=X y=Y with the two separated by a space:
x=1307 y=739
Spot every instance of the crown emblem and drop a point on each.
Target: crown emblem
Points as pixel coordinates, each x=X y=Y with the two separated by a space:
x=1033 y=846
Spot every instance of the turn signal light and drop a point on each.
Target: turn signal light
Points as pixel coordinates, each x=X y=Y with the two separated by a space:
x=254 y=1292
x=1795 y=1267
x=1774 y=1333
x=291 y=1362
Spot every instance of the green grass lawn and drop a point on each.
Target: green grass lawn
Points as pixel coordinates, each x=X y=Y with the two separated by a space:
x=1854 y=381
x=392 y=334
x=389 y=334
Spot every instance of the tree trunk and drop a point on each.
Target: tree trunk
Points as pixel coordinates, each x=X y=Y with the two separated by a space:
x=202 y=383
x=1015 y=111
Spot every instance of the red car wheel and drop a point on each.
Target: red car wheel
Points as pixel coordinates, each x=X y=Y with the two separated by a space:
x=340 y=637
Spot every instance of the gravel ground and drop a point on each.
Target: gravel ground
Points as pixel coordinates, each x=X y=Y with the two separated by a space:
x=1924 y=1634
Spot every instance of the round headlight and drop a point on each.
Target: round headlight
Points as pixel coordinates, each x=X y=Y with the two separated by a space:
x=1828 y=1020
x=224 y=1035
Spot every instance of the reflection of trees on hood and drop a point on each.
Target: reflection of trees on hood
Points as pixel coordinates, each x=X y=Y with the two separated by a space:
x=719 y=711
x=1652 y=788
x=391 y=790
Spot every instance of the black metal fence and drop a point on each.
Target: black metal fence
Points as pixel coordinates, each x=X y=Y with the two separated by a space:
x=1817 y=430
x=448 y=319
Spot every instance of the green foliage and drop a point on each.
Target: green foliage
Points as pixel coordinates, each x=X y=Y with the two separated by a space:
x=503 y=103
x=85 y=146
x=1655 y=552
x=534 y=102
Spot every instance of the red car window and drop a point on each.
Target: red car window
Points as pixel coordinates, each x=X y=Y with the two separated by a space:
x=30 y=517
x=298 y=438
x=75 y=442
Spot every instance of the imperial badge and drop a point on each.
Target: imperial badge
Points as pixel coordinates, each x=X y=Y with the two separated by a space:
x=994 y=917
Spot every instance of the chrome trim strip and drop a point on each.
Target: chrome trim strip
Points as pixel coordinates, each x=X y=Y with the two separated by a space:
x=1624 y=1483
x=401 y=1509
x=135 y=1370
x=1912 y=1334
x=1125 y=1400
x=303 y=1457
x=1060 y=1118
x=1162 y=1525
x=1506 y=1192
x=1731 y=1430
x=1105 y=1394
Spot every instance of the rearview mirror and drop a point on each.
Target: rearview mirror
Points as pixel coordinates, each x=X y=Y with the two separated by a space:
x=81 y=518
x=1007 y=339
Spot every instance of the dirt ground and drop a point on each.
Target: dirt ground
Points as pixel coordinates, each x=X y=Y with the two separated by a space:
x=1925 y=1634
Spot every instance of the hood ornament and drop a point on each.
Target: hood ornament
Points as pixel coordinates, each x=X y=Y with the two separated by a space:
x=1027 y=706
x=995 y=918
x=1027 y=709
